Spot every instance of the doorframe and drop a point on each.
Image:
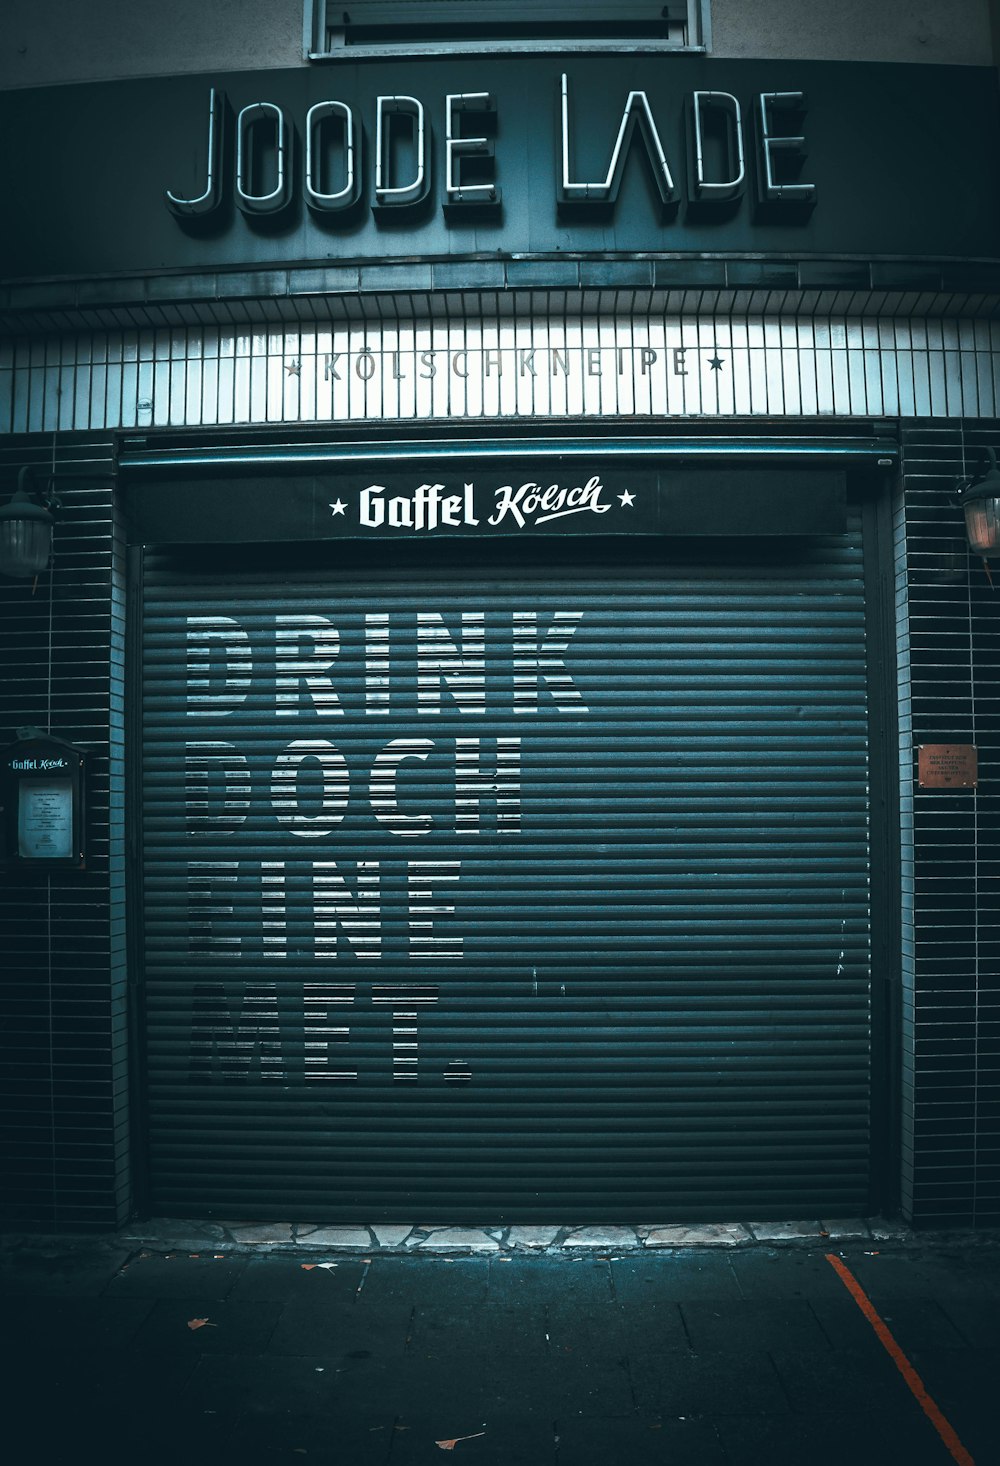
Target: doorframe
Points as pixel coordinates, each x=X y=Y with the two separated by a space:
x=870 y=483
x=134 y=884
x=885 y=849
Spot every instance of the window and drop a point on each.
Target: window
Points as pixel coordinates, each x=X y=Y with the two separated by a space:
x=337 y=28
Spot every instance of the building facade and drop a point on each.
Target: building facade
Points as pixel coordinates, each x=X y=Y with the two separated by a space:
x=538 y=703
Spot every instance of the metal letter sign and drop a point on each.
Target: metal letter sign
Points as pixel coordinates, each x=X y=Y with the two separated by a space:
x=211 y=196
x=780 y=156
x=390 y=195
x=638 y=115
x=725 y=108
x=264 y=136
x=460 y=194
x=317 y=120
x=252 y=127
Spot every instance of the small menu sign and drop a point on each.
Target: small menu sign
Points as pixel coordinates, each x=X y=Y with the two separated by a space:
x=947 y=766
x=45 y=820
x=42 y=801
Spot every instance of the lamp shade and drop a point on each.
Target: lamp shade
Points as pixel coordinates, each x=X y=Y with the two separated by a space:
x=982 y=516
x=25 y=537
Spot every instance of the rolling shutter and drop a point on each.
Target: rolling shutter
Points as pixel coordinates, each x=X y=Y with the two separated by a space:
x=508 y=889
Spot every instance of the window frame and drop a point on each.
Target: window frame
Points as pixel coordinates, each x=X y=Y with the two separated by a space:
x=695 y=14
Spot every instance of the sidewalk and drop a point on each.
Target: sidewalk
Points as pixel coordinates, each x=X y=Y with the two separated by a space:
x=191 y=1344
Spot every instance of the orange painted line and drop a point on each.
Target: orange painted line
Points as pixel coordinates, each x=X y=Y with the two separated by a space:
x=914 y=1382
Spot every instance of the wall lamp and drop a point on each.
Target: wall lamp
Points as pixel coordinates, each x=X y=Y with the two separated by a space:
x=26 y=527
x=979 y=496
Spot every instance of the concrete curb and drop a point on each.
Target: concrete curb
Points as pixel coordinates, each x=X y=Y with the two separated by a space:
x=399 y=1239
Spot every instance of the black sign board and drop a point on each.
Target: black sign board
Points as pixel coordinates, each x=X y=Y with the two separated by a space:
x=551 y=498
x=43 y=801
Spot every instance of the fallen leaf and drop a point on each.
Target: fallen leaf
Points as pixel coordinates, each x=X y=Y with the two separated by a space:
x=201 y=1323
x=328 y=1265
x=450 y=1445
x=307 y=1267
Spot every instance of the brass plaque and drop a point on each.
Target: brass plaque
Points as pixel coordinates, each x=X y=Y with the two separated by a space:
x=948 y=766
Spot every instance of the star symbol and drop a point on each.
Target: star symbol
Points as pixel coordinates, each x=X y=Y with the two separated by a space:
x=294 y=367
x=626 y=500
x=338 y=506
x=716 y=363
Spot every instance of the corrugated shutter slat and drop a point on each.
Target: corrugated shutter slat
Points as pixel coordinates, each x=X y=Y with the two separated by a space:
x=573 y=923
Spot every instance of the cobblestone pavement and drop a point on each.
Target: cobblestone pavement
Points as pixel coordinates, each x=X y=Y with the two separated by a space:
x=385 y=1346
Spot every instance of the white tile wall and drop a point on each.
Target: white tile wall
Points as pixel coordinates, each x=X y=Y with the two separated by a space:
x=557 y=366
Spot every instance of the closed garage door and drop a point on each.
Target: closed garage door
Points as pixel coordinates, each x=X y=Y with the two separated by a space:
x=531 y=888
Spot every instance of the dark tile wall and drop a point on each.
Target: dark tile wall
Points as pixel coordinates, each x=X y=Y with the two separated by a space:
x=950 y=652
x=63 y=1052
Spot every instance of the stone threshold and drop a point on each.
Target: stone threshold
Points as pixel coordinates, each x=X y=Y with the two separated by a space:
x=404 y=1238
